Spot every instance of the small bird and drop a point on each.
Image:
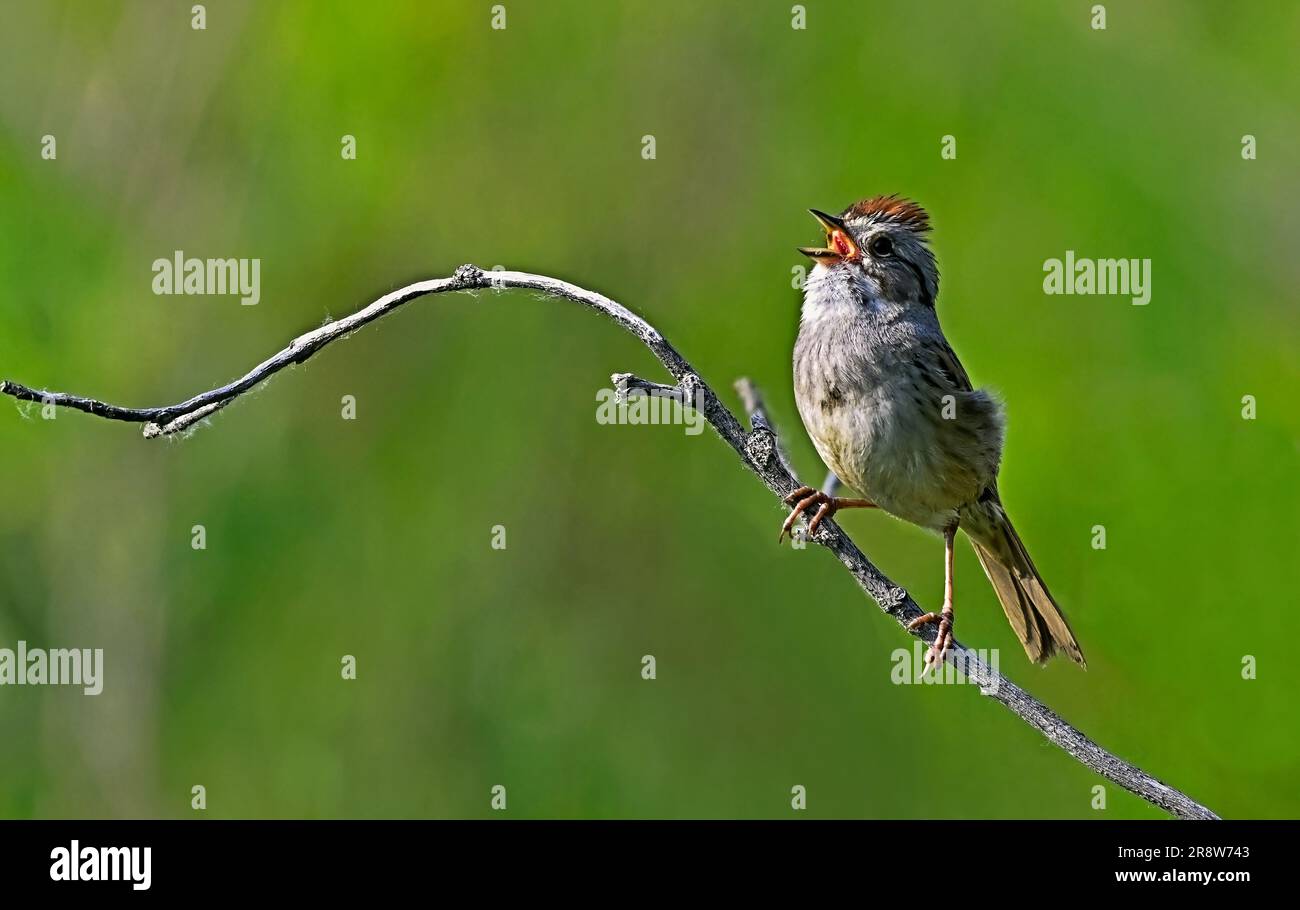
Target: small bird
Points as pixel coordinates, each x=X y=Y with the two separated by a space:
x=893 y=413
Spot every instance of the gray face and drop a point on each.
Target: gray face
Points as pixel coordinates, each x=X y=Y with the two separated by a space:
x=877 y=258
x=894 y=259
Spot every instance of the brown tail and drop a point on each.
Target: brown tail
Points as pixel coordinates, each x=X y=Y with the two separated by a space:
x=1037 y=620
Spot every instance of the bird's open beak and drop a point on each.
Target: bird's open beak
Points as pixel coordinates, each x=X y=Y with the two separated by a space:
x=839 y=244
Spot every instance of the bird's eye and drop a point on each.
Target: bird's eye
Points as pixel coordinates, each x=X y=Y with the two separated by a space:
x=881 y=246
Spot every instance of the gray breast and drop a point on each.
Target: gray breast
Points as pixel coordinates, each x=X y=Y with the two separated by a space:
x=874 y=411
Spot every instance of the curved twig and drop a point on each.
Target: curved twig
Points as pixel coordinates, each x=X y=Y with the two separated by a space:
x=757 y=448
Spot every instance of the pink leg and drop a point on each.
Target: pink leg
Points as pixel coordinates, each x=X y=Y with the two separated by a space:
x=943 y=640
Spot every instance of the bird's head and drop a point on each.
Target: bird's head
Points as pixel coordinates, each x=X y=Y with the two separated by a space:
x=878 y=244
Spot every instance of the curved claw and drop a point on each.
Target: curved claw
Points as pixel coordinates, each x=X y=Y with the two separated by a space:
x=942 y=643
x=826 y=511
x=798 y=494
x=807 y=496
x=816 y=496
x=922 y=620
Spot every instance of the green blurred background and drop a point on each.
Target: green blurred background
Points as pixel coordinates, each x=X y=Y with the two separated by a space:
x=522 y=147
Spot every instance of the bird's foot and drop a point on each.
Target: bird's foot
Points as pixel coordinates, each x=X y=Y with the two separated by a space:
x=806 y=497
x=942 y=643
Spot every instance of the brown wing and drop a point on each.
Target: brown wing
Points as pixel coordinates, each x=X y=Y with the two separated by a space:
x=970 y=433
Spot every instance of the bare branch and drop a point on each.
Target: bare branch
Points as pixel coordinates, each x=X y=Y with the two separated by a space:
x=173 y=418
x=628 y=386
x=758 y=448
x=752 y=401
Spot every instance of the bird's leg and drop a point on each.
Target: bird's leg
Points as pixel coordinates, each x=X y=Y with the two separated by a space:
x=805 y=497
x=831 y=483
x=943 y=640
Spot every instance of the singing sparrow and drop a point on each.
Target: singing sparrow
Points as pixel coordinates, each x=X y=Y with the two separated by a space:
x=893 y=414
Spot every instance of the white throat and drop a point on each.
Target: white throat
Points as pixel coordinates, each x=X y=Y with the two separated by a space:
x=839 y=294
